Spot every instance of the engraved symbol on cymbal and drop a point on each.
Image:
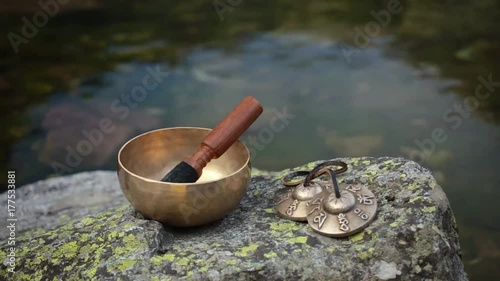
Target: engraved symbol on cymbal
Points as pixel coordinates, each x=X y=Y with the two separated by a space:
x=294 y=205
x=341 y=213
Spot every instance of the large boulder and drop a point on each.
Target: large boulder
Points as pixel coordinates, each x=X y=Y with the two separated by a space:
x=81 y=227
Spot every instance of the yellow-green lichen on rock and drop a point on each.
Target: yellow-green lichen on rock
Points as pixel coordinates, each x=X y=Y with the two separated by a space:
x=414 y=228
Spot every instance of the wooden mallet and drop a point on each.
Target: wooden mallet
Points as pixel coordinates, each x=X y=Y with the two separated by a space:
x=218 y=141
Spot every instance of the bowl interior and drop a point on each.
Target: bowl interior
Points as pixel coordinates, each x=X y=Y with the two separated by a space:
x=152 y=155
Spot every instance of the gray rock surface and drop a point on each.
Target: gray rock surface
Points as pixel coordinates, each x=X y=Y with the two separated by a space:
x=80 y=227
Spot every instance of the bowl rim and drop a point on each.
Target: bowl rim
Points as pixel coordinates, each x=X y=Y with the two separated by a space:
x=173 y=183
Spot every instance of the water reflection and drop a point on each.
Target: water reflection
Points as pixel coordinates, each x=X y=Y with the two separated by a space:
x=378 y=100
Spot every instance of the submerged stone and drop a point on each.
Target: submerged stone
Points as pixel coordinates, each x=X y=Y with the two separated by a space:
x=80 y=227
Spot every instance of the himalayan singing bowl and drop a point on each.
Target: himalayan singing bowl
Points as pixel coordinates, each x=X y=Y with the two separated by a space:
x=145 y=159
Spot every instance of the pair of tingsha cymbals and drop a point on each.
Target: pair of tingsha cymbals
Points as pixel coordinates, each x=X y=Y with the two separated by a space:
x=330 y=209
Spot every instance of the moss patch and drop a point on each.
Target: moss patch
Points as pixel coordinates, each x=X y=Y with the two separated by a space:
x=298 y=240
x=246 y=250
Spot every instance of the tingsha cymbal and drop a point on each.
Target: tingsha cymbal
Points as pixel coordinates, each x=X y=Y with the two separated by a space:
x=293 y=205
x=344 y=212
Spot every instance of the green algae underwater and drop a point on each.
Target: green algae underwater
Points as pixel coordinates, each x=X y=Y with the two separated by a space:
x=373 y=99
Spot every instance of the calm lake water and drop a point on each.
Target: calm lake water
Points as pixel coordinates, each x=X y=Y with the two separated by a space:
x=353 y=79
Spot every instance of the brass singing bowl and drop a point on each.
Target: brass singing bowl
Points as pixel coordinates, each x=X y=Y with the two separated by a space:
x=145 y=159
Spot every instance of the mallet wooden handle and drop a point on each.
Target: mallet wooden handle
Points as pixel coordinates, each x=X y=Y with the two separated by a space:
x=227 y=132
